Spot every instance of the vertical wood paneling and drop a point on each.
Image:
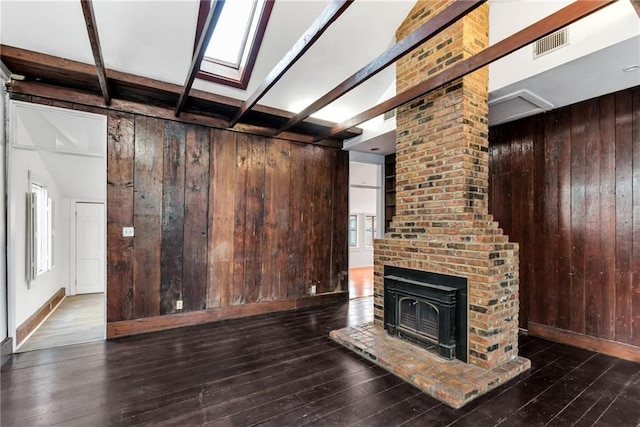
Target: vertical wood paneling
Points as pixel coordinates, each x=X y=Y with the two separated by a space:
x=563 y=130
x=173 y=215
x=547 y=285
x=593 y=233
x=624 y=215
x=254 y=220
x=322 y=218
x=276 y=219
x=577 y=215
x=240 y=216
x=222 y=187
x=194 y=274
x=608 y=215
x=147 y=207
x=340 y=215
x=120 y=137
x=221 y=218
x=578 y=115
x=297 y=200
x=635 y=273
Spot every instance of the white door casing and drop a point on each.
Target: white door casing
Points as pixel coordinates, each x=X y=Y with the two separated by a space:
x=90 y=250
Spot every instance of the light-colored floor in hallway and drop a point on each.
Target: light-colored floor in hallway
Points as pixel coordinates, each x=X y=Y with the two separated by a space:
x=78 y=319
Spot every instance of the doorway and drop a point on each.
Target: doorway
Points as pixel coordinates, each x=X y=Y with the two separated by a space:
x=59 y=154
x=365 y=224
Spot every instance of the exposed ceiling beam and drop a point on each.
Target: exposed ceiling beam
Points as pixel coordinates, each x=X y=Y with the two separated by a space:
x=93 y=102
x=92 y=30
x=61 y=72
x=203 y=42
x=426 y=31
x=636 y=6
x=313 y=33
x=569 y=14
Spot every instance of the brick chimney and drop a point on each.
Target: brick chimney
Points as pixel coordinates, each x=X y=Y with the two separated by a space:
x=442 y=224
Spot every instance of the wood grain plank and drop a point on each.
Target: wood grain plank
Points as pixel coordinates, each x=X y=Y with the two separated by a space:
x=547 y=308
x=578 y=225
x=324 y=208
x=340 y=218
x=196 y=213
x=624 y=220
x=221 y=217
x=173 y=146
x=297 y=193
x=120 y=167
x=147 y=219
x=538 y=221
x=563 y=131
x=239 y=231
x=635 y=267
x=276 y=222
x=593 y=234
x=254 y=216
x=608 y=215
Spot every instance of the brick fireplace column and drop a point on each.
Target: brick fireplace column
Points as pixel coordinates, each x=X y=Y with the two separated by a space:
x=442 y=223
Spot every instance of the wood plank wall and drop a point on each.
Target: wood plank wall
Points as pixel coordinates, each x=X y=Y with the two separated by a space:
x=566 y=186
x=221 y=218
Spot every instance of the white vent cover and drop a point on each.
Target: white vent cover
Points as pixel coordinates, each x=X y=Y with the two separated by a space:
x=389 y=114
x=551 y=42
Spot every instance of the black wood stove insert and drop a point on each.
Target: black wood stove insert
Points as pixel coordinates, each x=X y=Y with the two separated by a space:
x=427 y=308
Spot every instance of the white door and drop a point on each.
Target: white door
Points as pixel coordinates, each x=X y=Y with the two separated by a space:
x=90 y=256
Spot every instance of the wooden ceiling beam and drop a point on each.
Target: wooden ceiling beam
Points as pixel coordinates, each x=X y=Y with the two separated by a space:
x=89 y=100
x=209 y=25
x=53 y=70
x=636 y=6
x=94 y=40
x=425 y=32
x=330 y=14
x=565 y=16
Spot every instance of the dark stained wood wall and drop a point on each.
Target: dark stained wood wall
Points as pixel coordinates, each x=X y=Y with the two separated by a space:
x=566 y=186
x=221 y=218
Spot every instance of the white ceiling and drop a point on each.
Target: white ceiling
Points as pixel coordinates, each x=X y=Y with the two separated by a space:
x=71 y=145
x=154 y=38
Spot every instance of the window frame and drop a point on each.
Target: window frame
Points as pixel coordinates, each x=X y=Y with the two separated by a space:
x=368 y=238
x=42 y=233
x=353 y=244
x=237 y=77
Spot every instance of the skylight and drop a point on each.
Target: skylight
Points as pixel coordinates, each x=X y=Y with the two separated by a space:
x=235 y=41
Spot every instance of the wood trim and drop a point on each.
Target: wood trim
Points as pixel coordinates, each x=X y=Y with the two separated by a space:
x=170 y=321
x=565 y=16
x=209 y=25
x=90 y=100
x=611 y=348
x=36 y=318
x=328 y=16
x=6 y=350
x=94 y=40
x=425 y=32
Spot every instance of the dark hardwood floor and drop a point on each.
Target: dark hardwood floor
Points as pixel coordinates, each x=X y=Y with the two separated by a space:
x=282 y=370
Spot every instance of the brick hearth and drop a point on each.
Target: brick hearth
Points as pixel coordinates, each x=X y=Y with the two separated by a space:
x=442 y=223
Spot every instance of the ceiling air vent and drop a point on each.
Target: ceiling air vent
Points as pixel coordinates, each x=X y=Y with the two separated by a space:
x=551 y=42
x=389 y=114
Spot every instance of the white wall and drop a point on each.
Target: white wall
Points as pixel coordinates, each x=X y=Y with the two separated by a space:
x=28 y=300
x=3 y=240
